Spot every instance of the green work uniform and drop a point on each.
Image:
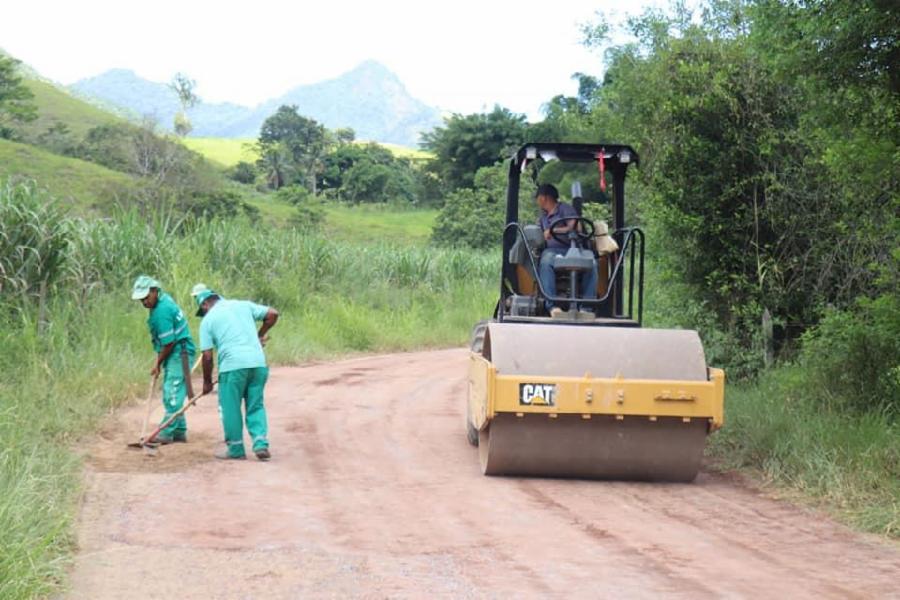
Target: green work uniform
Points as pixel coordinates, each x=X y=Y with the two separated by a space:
x=230 y=327
x=168 y=325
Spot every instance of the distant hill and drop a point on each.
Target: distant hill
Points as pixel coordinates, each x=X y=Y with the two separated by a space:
x=370 y=99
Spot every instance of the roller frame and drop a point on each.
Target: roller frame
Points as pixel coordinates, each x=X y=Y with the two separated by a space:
x=611 y=427
x=491 y=394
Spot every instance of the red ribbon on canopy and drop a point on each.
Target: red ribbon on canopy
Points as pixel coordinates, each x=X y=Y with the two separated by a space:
x=602 y=167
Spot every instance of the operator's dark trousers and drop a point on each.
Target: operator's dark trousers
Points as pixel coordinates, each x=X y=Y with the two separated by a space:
x=548 y=276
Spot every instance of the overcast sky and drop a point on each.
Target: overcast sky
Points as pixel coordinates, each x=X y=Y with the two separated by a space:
x=461 y=56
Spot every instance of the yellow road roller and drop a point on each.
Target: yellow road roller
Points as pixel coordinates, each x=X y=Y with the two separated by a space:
x=564 y=381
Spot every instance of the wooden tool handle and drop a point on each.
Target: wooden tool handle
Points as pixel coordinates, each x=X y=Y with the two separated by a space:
x=149 y=405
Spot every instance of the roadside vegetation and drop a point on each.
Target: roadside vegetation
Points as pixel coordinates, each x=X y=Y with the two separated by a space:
x=73 y=345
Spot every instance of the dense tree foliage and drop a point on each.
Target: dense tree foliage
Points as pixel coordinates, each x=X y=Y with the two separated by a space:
x=369 y=173
x=768 y=133
x=467 y=143
x=474 y=217
x=295 y=150
x=291 y=148
x=16 y=104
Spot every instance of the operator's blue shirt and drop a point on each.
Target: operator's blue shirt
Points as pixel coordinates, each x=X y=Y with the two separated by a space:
x=230 y=327
x=563 y=211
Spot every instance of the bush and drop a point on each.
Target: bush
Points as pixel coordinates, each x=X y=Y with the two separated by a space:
x=107 y=145
x=853 y=357
x=369 y=173
x=58 y=139
x=368 y=182
x=310 y=211
x=243 y=172
x=469 y=218
x=146 y=152
x=294 y=194
x=308 y=216
x=211 y=204
x=475 y=218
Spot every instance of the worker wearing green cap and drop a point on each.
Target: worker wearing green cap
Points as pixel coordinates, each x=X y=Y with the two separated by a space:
x=229 y=326
x=171 y=338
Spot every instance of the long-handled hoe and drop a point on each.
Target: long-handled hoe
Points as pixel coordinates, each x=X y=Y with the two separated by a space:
x=147 y=442
x=149 y=410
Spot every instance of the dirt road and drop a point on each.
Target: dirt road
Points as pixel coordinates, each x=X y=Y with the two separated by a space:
x=374 y=492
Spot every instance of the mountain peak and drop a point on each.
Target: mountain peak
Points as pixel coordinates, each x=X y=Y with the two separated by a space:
x=371 y=68
x=370 y=98
x=117 y=73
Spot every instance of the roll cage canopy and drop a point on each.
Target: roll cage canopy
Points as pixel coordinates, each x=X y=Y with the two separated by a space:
x=616 y=160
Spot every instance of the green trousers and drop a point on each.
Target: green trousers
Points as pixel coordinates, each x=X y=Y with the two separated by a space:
x=235 y=387
x=174 y=392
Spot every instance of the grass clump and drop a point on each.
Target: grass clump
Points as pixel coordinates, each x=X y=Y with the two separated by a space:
x=845 y=462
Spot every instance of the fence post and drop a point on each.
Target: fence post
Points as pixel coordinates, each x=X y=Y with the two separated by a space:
x=768 y=339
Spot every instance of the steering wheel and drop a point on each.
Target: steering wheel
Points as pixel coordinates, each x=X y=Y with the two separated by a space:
x=583 y=236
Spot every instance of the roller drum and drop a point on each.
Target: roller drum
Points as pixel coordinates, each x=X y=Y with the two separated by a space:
x=599 y=448
x=602 y=447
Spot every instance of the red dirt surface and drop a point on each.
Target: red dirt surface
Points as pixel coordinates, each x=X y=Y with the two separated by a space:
x=373 y=492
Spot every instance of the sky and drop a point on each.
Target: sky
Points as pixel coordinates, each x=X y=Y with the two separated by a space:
x=462 y=56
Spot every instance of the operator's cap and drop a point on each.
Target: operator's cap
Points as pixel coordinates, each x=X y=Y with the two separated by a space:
x=142 y=287
x=198 y=289
x=201 y=298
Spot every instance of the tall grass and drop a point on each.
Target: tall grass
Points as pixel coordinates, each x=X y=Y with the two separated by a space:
x=846 y=462
x=73 y=345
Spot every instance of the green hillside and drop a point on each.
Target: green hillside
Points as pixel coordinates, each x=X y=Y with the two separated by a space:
x=54 y=104
x=379 y=224
x=226 y=152
x=85 y=184
x=229 y=151
x=407 y=152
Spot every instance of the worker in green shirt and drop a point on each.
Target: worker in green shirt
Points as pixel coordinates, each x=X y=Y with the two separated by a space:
x=174 y=346
x=229 y=326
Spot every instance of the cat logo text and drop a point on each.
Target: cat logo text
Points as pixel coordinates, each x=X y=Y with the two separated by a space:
x=537 y=394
